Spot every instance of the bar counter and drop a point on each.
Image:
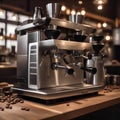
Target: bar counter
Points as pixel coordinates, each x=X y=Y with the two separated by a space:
x=62 y=111
x=8 y=73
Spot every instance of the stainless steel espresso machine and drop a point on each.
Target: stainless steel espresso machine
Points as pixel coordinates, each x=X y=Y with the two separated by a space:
x=50 y=60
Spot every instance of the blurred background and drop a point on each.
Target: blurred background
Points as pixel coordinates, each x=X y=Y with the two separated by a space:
x=103 y=14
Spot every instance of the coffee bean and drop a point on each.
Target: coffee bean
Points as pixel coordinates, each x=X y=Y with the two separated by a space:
x=8 y=96
x=2 y=101
x=10 y=107
x=11 y=99
x=23 y=108
x=7 y=107
x=8 y=104
x=12 y=102
x=67 y=104
x=21 y=101
x=1 y=109
x=27 y=109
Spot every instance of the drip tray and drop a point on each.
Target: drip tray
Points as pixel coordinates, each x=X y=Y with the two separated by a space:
x=59 y=92
x=61 y=89
x=65 y=88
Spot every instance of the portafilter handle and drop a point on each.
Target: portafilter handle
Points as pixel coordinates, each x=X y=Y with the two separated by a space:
x=69 y=70
x=89 y=69
x=92 y=70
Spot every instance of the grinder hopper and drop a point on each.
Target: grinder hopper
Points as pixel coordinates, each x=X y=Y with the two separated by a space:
x=53 y=11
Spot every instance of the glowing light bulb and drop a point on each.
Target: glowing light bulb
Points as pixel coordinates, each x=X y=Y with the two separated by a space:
x=99 y=25
x=83 y=12
x=100 y=2
x=104 y=25
x=78 y=13
x=80 y=2
x=107 y=37
x=73 y=12
x=100 y=7
x=1 y=37
x=63 y=8
x=68 y=11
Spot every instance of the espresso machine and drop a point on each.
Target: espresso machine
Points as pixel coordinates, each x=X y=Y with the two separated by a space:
x=50 y=59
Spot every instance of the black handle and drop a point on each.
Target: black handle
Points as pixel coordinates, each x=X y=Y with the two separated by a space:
x=88 y=56
x=69 y=70
x=89 y=69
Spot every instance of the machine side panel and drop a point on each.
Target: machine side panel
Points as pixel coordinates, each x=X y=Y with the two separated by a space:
x=22 y=58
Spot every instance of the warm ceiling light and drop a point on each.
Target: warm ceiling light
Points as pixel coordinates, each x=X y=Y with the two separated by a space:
x=1 y=37
x=73 y=12
x=63 y=8
x=78 y=13
x=68 y=11
x=83 y=12
x=80 y=2
x=104 y=25
x=100 y=7
x=107 y=37
x=100 y=2
x=99 y=25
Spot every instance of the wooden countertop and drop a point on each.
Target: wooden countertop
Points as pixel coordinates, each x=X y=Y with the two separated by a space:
x=63 y=111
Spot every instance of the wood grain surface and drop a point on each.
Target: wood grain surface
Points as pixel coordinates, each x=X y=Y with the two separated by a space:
x=62 y=111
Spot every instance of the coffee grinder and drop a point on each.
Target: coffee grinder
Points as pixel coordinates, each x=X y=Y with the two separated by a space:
x=97 y=62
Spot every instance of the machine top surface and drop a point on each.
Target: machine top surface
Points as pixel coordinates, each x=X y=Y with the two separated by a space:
x=58 y=22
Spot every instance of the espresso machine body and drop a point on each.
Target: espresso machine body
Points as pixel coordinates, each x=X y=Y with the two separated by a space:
x=50 y=68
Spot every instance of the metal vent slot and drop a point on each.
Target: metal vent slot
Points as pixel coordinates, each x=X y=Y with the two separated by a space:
x=33 y=81
x=33 y=73
x=33 y=70
x=33 y=51
x=33 y=47
x=33 y=66
x=33 y=58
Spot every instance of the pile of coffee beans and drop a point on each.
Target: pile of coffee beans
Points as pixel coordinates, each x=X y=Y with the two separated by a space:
x=112 y=82
x=10 y=100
